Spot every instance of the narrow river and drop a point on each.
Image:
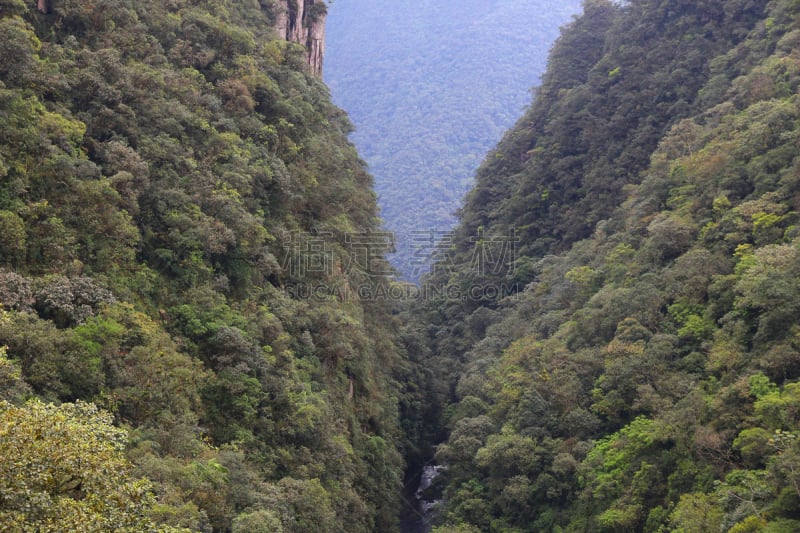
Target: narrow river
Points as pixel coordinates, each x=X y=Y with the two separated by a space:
x=419 y=517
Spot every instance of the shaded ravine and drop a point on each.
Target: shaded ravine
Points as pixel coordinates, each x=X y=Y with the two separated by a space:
x=422 y=503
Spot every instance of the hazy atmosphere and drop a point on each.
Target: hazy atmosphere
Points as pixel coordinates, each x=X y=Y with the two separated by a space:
x=430 y=88
x=201 y=329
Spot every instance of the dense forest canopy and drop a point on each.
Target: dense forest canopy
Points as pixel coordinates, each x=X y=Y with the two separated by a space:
x=165 y=169
x=199 y=330
x=642 y=374
x=431 y=87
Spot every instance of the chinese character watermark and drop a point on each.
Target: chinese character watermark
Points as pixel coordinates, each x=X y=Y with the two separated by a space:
x=433 y=251
x=494 y=254
x=367 y=252
x=308 y=254
x=329 y=265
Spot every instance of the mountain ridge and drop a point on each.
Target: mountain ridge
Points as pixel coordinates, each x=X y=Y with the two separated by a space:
x=170 y=173
x=642 y=375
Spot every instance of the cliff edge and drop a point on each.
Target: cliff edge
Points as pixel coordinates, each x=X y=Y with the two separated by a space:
x=303 y=22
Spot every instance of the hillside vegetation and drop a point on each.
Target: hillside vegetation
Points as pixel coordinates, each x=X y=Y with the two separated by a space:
x=194 y=326
x=165 y=170
x=431 y=87
x=642 y=375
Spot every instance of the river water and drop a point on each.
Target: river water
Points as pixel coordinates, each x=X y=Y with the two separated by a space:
x=419 y=517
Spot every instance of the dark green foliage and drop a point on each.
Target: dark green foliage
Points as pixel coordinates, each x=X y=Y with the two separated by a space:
x=644 y=375
x=596 y=121
x=160 y=164
x=164 y=167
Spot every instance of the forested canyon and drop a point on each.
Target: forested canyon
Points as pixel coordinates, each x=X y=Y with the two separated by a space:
x=200 y=330
x=431 y=87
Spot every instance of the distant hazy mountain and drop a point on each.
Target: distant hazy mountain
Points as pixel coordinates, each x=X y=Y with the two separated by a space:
x=431 y=86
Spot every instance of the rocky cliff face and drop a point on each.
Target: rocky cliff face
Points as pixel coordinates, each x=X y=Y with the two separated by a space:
x=303 y=22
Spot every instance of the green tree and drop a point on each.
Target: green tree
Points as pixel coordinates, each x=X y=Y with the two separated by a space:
x=696 y=513
x=62 y=468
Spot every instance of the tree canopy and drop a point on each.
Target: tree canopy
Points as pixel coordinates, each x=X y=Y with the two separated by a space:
x=639 y=370
x=173 y=180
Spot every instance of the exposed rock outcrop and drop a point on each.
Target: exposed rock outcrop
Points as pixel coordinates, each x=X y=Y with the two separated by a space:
x=303 y=22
